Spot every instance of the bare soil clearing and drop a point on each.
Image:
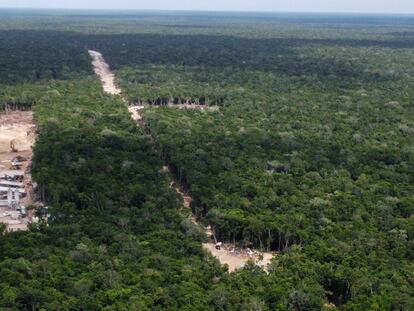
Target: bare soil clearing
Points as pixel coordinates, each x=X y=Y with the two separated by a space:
x=237 y=258
x=227 y=255
x=17 y=131
x=104 y=73
x=134 y=110
x=17 y=136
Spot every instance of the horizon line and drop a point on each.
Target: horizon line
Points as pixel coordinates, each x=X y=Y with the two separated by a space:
x=212 y=11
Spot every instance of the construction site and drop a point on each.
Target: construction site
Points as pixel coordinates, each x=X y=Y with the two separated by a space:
x=17 y=136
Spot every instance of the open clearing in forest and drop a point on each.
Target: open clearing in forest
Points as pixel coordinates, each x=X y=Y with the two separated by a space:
x=17 y=131
x=227 y=255
x=17 y=137
x=236 y=258
x=104 y=73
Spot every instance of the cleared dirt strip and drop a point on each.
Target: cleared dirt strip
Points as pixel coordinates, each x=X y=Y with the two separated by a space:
x=235 y=258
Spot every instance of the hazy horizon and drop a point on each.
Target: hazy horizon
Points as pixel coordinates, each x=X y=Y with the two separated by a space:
x=302 y=6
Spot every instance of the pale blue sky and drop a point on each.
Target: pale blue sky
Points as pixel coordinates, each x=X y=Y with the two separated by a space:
x=356 y=6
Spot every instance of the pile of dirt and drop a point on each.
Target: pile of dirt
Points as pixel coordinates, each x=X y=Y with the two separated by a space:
x=17 y=131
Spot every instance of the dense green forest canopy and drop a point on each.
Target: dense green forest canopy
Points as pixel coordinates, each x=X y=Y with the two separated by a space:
x=310 y=153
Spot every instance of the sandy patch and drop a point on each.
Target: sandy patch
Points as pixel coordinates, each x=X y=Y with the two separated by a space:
x=236 y=259
x=17 y=131
x=134 y=110
x=104 y=73
x=16 y=138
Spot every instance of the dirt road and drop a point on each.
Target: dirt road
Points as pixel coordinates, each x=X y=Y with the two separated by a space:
x=227 y=255
x=104 y=73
